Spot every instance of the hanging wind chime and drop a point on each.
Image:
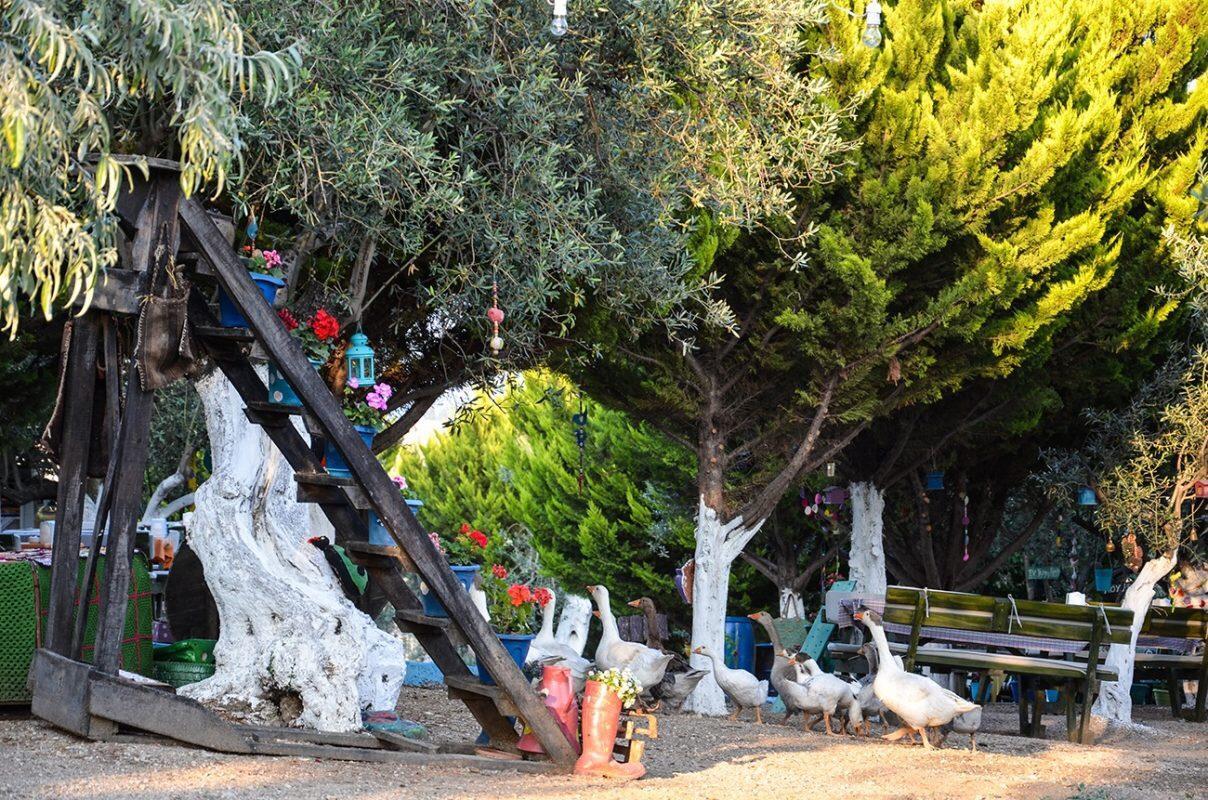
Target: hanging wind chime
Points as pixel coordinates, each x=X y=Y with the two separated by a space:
x=965 y=524
x=495 y=315
x=580 y=421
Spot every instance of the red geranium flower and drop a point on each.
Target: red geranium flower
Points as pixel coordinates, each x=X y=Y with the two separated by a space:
x=290 y=322
x=542 y=596
x=520 y=594
x=499 y=571
x=324 y=325
x=465 y=527
x=479 y=538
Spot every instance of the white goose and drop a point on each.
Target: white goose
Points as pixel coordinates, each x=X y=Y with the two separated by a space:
x=645 y=664
x=823 y=694
x=545 y=647
x=742 y=687
x=920 y=702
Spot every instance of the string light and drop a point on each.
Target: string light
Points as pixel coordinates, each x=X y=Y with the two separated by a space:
x=872 y=25
x=558 y=25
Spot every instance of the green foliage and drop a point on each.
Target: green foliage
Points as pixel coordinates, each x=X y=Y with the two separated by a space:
x=511 y=470
x=81 y=83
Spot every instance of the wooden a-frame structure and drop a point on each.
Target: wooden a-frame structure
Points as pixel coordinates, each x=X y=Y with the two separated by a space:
x=98 y=701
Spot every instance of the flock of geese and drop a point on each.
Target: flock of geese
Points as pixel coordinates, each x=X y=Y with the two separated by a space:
x=914 y=703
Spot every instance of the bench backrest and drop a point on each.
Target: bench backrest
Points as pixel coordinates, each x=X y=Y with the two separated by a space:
x=972 y=612
x=1176 y=623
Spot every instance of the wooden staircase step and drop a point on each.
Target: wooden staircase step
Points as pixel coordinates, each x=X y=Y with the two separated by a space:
x=408 y=619
x=462 y=685
x=378 y=556
x=271 y=415
x=319 y=487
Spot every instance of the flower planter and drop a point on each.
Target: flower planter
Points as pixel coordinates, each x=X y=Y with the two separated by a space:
x=228 y=314
x=517 y=645
x=336 y=465
x=377 y=531
x=280 y=390
x=465 y=576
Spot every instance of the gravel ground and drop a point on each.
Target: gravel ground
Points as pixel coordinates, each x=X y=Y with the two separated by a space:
x=697 y=758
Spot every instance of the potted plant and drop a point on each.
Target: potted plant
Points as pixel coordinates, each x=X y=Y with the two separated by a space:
x=266 y=271
x=606 y=694
x=365 y=408
x=317 y=337
x=377 y=531
x=465 y=552
x=512 y=608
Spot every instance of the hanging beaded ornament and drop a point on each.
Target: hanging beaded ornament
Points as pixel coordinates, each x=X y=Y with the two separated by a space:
x=495 y=315
x=965 y=524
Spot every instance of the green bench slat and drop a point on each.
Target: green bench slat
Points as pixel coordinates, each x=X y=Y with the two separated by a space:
x=979 y=659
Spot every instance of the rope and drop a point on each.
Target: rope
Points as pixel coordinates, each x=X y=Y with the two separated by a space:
x=1106 y=623
x=1014 y=615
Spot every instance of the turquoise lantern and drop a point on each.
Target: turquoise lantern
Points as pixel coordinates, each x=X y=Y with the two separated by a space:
x=1086 y=497
x=933 y=481
x=359 y=359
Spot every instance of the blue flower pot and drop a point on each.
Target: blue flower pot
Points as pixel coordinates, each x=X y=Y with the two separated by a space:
x=465 y=576
x=228 y=314
x=517 y=645
x=377 y=531
x=280 y=390
x=336 y=465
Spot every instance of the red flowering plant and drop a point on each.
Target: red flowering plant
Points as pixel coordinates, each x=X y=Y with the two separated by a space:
x=265 y=262
x=317 y=335
x=467 y=546
x=513 y=606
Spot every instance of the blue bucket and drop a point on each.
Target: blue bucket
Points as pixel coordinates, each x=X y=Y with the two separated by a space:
x=517 y=645
x=377 y=531
x=228 y=314
x=279 y=388
x=336 y=465
x=740 y=644
x=1103 y=579
x=465 y=576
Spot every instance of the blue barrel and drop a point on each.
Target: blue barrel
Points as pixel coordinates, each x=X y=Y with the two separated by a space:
x=740 y=644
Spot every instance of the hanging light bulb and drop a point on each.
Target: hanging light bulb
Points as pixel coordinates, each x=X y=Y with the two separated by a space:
x=558 y=26
x=831 y=469
x=872 y=25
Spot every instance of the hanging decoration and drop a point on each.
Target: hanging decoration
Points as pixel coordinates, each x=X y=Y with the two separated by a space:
x=1131 y=550
x=831 y=469
x=1086 y=497
x=1111 y=546
x=495 y=315
x=933 y=481
x=1201 y=490
x=580 y=421
x=558 y=26
x=252 y=229
x=871 y=37
x=359 y=360
x=965 y=524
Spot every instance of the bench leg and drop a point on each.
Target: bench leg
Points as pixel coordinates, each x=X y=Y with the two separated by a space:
x=1088 y=699
x=1025 y=690
x=1036 y=729
x=1201 y=694
x=1175 y=687
x=1069 y=694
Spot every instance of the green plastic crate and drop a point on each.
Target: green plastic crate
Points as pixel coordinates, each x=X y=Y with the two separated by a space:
x=24 y=606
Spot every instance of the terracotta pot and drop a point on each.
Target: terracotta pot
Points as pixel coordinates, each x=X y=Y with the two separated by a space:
x=601 y=716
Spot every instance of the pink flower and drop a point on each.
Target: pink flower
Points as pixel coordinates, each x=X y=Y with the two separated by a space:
x=353 y=383
x=272 y=258
x=384 y=390
x=399 y=481
x=435 y=538
x=374 y=400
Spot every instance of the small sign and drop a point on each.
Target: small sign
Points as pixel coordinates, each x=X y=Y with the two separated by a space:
x=1044 y=573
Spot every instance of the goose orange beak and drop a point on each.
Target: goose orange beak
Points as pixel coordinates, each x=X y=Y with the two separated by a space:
x=596 y=614
x=634 y=603
x=753 y=616
x=590 y=589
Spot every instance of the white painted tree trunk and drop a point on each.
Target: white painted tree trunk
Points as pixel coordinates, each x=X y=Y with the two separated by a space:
x=1114 y=702
x=867 y=554
x=574 y=622
x=791 y=604
x=717 y=545
x=291 y=644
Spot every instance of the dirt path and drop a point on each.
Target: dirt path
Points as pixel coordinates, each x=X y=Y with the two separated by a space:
x=694 y=759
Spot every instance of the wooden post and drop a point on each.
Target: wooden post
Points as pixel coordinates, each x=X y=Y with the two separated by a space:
x=1201 y=693
x=1092 y=666
x=156 y=240
x=382 y=493
x=75 y=445
x=920 y=611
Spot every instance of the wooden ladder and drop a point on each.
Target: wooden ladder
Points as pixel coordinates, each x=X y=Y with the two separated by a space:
x=345 y=500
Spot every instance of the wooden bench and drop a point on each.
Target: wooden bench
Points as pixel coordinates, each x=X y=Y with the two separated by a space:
x=1162 y=625
x=1044 y=643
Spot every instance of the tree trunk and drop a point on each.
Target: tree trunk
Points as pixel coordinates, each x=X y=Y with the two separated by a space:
x=287 y=631
x=791 y=603
x=1114 y=702
x=867 y=554
x=717 y=545
x=574 y=622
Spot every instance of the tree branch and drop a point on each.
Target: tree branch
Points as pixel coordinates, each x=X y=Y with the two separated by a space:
x=1011 y=549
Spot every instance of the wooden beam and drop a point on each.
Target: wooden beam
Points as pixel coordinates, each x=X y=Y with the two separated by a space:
x=383 y=494
x=61 y=695
x=75 y=445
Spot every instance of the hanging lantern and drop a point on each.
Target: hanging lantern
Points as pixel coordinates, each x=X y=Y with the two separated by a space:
x=1110 y=547
x=1086 y=497
x=934 y=481
x=1201 y=490
x=359 y=359
x=831 y=469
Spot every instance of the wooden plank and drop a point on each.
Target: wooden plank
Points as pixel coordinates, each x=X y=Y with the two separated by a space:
x=462 y=685
x=916 y=623
x=396 y=741
x=133 y=442
x=171 y=715
x=364 y=553
x=419 y=759
x=116 y=292
x=75 y=445
x=383 y=494
x=60 y=695
x=1089 y=686
x=269 y=733
x=322 y=488
x=217 y=333
x=414 y=618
